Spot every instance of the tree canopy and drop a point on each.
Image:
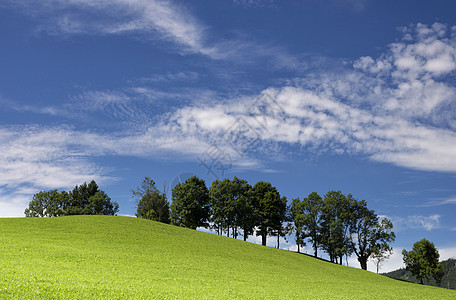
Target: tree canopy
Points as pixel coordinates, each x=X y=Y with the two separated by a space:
x=423 y=261
x=150 y=203
x=85 y=199
x=190 y=206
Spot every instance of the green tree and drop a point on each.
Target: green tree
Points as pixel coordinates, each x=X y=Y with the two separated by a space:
x=240 y=209
x=100 y=204
x=47 y=204
x=79 y=199
x=280 y=216
x=380 y=255
x=312 y=206
x=245 y=218
x=269 y=209
x=37 y=207
x=190 y=206
x=369 y=235
x=221 y=205
x=85 y=199
x=150 y=203
x=335 y=224
x=423 y=261
x=297 y=216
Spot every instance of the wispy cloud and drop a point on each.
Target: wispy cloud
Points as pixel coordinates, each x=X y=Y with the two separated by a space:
x=158 y=18
x=149 y=21
x=439 y=202
x=255 y=3
x=416 y=222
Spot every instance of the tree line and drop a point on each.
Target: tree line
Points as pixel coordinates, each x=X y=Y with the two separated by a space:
x=85 y=199
x=338 y=224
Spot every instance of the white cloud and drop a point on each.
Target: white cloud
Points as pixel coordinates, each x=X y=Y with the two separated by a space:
x=416 y=222
x=438 y=202
x=155 y=17
x=149 y=20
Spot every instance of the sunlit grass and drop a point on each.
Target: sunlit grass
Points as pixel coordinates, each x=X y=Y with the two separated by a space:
x=119 y=257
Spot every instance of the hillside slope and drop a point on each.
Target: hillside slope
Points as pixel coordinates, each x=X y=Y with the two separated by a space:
x=448 y=280
x=120 y=257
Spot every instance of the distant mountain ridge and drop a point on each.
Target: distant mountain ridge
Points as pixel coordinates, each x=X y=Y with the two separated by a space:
x=448 y=280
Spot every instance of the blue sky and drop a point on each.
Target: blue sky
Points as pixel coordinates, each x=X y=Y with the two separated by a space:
x=350 y=95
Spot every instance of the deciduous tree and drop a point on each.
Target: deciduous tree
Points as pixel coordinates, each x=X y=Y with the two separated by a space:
x=151 y=204
x=368 y=234
x=423 y=261
x=190 y=206
x=269 y=209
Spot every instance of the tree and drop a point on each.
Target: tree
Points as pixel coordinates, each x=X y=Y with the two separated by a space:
x=150 y=203
x=297 y=216
x=220 y=203
x=369 y=235
x=269 y=209
x=281 y=215
x=85 y=199
x=190 y=206
x=380 y=255
x=423 y=261
x=47 y=204
x=335 y=224
x=245 y=217
x=37 y=207
x=100 y=204
x=312 y=206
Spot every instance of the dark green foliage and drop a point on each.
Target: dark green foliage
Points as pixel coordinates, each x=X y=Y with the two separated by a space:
x=151 y=204
x=306 y=216
x=231 y=206
x=423 y=261
x=83 y=200
x=369 y=235
x=269 y=208
x=190 y=207
x=297 y=216
x=335 y=224
x=448 y=279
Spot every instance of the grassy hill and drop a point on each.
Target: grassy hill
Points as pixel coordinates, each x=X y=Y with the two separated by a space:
x=448 y=280
x=120 y=257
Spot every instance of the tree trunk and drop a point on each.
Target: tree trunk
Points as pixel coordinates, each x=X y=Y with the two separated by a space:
x=278 y=240
x=228 y=231
x=363 y=262
x=263 y=238
x=315 y=248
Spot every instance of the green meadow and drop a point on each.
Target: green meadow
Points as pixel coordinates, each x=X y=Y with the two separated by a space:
x=103 y=257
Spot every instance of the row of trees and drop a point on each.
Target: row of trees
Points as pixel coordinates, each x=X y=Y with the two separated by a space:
x=85 y=199
x=227 y=206
x=337 y=224
x=341 y=225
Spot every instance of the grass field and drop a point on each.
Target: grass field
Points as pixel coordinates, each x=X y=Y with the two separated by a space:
x=120 y=257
